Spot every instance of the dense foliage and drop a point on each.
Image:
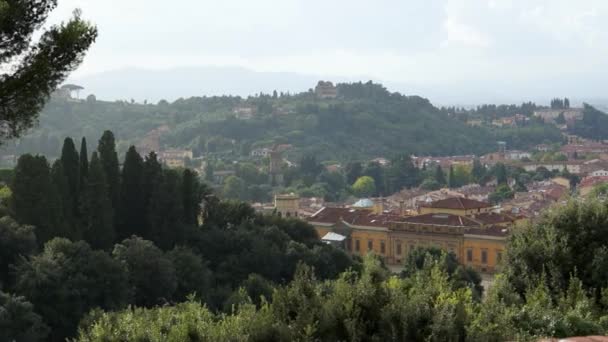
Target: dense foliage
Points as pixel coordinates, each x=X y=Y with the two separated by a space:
x=156 y=236
x=552 y=285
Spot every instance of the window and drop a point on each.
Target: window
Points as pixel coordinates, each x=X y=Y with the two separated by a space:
x=412 y=247
x=498 y=256
x=398 y=248
x=370 y=245
x=357 y=245
x=382 y=247
x=469 y=255
x=484 y=256
x=288 y=214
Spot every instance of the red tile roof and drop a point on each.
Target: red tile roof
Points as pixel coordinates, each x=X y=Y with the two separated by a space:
x=457 y=203
x=442 y=220
x=493 y=218
x=592 y=181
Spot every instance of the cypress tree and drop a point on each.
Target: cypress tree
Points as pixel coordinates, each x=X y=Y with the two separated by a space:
x=451 y=178
x=109 y=162
x=191 y=196
x=30 y=200
x=71 y=168
x=166 y=211
x=151 y=180
x=59 y=198
x=439 y=176
x=96 y=208
x=131 y=213
x=84 y=162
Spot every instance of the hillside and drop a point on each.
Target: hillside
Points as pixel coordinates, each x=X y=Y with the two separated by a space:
x=364 y=121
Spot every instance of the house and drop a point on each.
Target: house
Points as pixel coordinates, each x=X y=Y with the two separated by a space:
x=326 y=90
x=517 y=155
x=261 y=152
x=244 y=112
x=599 y=173
x=175 y=158
x=549 y=115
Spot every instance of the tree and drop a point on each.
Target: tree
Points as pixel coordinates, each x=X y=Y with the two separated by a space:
x=478 y=171
x=31 y=202
x=502 y=193
x=67 y=280
x=71 y=169
x=402 y=174
x=84 y=162
x=96 y=208
x=353 y=171
x=440 y=176
x=209 y=172
x=500 y=172
x=430 y=184
x=191 y=197
x=16 y=241
x=109 y=161
x=375 y=170
x=166 y=212
x=18 y=321
x=192 y=274
x=452 y=182
x=364 y=186
x=151 y=273
x=234 y=188
x=131 y=218
x=36 y=69
x=560 y=120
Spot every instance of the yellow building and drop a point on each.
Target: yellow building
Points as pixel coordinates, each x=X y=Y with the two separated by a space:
x=477 y=239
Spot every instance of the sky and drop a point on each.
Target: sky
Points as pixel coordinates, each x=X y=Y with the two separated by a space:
x=425 y=42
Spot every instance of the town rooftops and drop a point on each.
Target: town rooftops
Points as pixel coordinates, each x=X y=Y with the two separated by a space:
x=459 y=203
x=493 y=218
x=442 y=220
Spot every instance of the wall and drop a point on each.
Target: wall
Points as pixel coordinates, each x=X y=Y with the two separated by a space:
x=477 y=244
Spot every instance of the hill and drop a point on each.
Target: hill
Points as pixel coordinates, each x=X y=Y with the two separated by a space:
x=364 y=121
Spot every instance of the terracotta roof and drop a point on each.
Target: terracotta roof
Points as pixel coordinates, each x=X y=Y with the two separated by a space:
x=442 y=220
x=457 y=203
x=355 y=217
x=332 y=215
x=493 y=218
x=592 y=181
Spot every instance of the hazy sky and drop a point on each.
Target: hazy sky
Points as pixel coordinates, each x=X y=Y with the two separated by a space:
x=420 y=41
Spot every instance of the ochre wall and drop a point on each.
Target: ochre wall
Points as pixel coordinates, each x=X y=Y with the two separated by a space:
x=476 y=245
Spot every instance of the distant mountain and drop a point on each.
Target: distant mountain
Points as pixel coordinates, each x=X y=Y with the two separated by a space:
x=171 y=84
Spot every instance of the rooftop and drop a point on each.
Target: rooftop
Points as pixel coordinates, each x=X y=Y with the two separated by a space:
x=457 y=203
x=442 y=220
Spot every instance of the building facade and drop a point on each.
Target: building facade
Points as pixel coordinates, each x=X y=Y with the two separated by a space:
x=469 y=229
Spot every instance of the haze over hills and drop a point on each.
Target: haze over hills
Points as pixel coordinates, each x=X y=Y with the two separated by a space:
x=170 y=84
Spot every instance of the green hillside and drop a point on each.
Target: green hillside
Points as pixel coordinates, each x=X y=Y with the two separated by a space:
x=365 y=121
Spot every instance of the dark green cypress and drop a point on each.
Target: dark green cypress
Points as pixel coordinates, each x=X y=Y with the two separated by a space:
x=131 y=213
x=96 y=208
x=166 y=211
x=151 y=181
x=60 y=196
x=84 y=162
x=109 y=162
x=30 y=200
x=71 y=168
x=191 y=196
